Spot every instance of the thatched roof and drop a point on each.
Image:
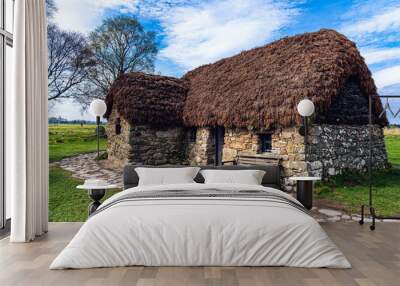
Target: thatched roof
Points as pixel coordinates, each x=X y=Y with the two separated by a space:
x=148 y=99
x=258 y=88
x=261 y=87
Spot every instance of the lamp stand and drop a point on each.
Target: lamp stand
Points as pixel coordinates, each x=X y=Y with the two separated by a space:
x=305 y=138
x=98 y=136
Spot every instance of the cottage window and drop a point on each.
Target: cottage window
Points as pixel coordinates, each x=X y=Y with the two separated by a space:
x=265 y=142
x=193 y=134
x=118 y=126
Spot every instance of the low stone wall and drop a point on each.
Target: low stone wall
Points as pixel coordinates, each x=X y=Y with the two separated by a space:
x=336 y=148
x=201 y=151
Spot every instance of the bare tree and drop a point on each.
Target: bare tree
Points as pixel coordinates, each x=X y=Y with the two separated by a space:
x=51 y=8
x=68 y=63
x=83 y=71
x=119 y=45
x=68 y=59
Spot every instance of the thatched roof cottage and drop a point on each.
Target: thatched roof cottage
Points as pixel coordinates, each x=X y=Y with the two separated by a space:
x=246 y=104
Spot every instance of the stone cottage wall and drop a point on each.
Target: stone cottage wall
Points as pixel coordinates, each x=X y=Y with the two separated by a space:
x=239 y=140
x=201 y=151
x=156 y=146
x=288 y=144
x=336 y=148
x=144 y=144
x=332 y=148
x=118 y=147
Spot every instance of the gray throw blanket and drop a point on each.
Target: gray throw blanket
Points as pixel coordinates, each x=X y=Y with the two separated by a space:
x=206 y=194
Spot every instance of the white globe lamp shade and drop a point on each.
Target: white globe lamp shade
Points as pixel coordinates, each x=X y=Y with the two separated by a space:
x=306 y=108
x=98 y=107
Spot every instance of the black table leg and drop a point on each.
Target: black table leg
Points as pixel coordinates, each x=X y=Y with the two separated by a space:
x=305 y=193
x=96 y=196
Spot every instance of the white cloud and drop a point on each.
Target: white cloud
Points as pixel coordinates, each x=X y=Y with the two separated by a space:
x=160 y=8
x=387 y=20
x=374 y=56
x=375 y=25
x=205 y=32
x=390 y=90
x=196 y=31
x=387 y=77
x=84 y=15
x=69 y=109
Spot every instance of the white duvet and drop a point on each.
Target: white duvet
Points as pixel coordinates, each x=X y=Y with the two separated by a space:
x=203 y=232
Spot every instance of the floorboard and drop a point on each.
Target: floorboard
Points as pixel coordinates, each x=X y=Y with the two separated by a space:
x=375 y=257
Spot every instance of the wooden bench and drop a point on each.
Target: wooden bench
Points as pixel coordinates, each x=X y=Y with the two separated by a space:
x=247 y=159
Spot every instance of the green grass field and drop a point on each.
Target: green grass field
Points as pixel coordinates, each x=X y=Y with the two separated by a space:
x=66 y=140
x=66 y=203
x=393 y=149
x=351 y=190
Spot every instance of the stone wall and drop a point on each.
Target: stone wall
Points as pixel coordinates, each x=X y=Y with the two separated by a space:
x=332 y=149
x=289 y=144
x=239 y=140
x=151 y=146
x=201 y=151
x=118 y=147
x=144 y=144
x=336 y=148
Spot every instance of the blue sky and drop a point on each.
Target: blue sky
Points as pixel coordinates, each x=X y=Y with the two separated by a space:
x=194 y=32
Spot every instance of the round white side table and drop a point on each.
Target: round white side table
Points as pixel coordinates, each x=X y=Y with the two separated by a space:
x=96 y=193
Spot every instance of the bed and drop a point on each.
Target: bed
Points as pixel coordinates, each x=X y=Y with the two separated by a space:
x=198 y=224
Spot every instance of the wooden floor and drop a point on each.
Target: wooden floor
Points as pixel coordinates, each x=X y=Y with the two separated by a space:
x=375 y=257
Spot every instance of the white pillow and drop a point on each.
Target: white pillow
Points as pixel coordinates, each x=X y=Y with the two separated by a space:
x=248 y=177
x=166 y=176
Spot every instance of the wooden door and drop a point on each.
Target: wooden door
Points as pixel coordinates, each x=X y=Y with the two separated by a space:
x=219 y=144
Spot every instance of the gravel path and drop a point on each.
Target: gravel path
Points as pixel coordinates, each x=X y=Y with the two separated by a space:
x=85 y=166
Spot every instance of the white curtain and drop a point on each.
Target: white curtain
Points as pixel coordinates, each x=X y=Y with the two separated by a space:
x=27 y=124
